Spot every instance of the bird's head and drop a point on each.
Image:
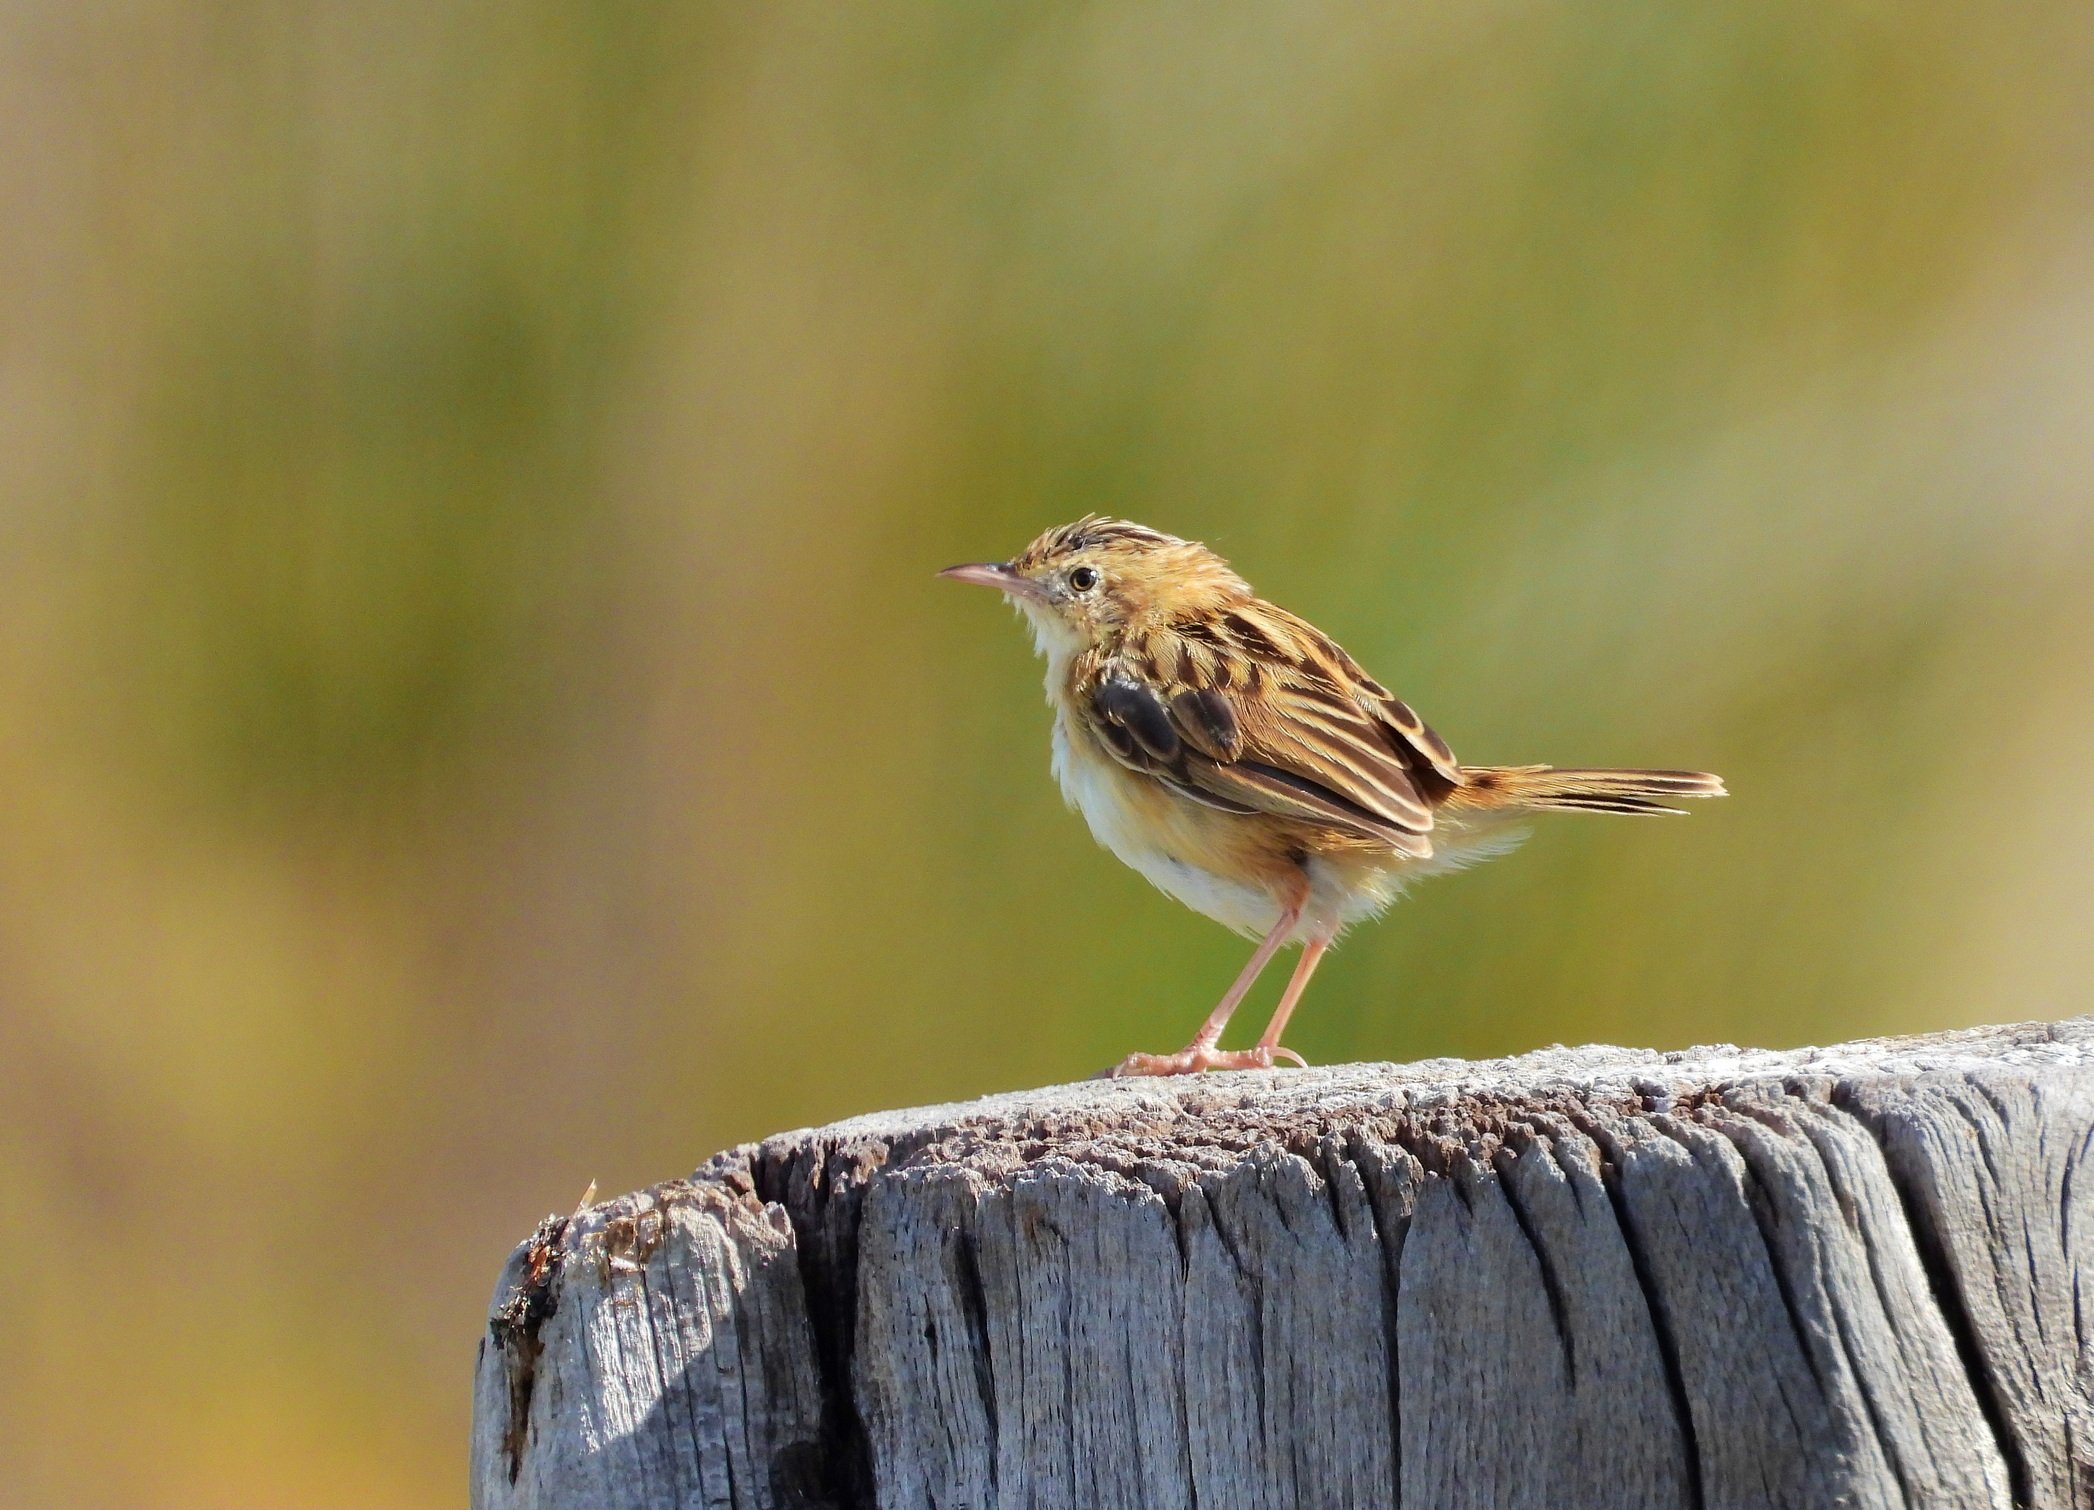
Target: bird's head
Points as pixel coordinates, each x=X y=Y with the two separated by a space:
x=1084 y=584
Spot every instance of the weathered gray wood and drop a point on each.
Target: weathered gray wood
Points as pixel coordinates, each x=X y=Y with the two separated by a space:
x=1853 y=1276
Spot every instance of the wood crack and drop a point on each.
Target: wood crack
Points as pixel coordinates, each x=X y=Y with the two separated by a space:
x=514 y=1327
x=1947 y=1293
x=1551 y=1283
x=1653 y=1304
x=825 y=1250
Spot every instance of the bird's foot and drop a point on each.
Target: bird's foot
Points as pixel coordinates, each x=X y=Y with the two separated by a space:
x=1198 y=1057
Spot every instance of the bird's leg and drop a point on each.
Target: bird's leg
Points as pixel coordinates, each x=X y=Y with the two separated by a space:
x=1201 y=1053
x=1311 y=956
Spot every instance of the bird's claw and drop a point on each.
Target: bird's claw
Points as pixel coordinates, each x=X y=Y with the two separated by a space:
x=1193 y=1060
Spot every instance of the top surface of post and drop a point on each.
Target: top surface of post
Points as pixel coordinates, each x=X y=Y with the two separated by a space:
x=1343 y=1090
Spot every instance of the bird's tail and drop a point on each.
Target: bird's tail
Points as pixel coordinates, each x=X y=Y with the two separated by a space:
x=1542 y=788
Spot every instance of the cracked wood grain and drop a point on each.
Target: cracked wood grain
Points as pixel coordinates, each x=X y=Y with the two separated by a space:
x=1851 y=1276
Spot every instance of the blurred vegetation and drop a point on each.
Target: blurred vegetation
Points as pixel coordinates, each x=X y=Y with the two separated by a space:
x=478 y=716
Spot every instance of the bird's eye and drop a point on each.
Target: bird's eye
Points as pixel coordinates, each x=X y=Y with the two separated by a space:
x=1083 y=579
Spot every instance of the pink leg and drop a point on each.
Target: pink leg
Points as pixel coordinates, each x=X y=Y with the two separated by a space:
x=1311 y=956
x=1211 y=1030
x=1201 y=1053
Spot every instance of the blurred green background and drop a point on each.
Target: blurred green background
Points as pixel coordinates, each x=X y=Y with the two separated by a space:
x=476 y=715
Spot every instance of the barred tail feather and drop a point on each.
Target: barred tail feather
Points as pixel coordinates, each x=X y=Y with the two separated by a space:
x=1550 y=788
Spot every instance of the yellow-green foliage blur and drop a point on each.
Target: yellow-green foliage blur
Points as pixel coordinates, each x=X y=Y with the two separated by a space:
x=476 y=715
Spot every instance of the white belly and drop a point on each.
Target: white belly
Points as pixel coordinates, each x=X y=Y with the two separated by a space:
x=1097 y=789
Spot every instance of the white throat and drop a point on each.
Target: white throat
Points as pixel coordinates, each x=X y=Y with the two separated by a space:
x=1054 y=639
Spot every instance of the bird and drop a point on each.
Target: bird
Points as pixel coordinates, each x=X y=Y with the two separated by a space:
x=1234 y=755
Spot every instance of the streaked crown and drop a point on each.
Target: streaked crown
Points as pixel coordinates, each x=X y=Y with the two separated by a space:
x=1112 y=573
x=1095 y=532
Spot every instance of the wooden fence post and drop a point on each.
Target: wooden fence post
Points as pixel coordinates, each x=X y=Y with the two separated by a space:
x=1850 y=1276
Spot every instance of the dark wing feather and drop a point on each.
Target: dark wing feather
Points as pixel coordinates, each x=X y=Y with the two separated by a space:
x=1136 y=708
x=1396 y=714
x=1244 y=728
x=1132 y=720
x=1208 y=722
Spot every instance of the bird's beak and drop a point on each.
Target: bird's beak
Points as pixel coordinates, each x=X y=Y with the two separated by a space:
x=999 y=575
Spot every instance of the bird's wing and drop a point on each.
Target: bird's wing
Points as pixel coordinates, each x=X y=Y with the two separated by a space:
x=1261 y=733
x=1311 y=647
